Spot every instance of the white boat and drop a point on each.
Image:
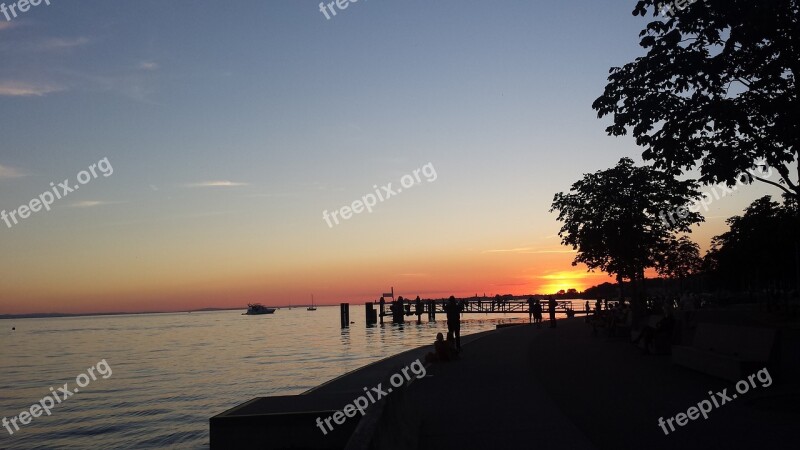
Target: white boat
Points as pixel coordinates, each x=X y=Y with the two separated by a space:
x=254 y=309
x=312 y=307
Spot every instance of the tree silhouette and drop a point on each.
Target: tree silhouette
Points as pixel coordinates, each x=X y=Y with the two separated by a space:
x=681 y=259
x=753 y=253
x=613 y=218
x=717 y=89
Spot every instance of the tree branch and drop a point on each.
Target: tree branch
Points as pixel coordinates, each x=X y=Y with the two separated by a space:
x=740 y=80
x=784 y=172
x=782 y=187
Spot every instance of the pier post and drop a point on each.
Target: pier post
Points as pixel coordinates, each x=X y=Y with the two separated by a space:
x=344 y=313
x=398 y=310
x=371 y=314
x=431 y=310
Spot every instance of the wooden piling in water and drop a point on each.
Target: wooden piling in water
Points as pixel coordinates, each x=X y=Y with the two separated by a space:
x=372 y=315
x=344 y=313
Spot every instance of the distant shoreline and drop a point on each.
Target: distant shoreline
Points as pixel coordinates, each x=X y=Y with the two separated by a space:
x=62 y=315
x=243 y=308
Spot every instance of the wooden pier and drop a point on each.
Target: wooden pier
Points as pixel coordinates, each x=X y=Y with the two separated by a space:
x=401 y=308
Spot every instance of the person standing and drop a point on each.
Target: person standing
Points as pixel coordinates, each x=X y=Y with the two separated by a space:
x=453 y=311
x=531 y=303
x=551 y=307
x=537 y=313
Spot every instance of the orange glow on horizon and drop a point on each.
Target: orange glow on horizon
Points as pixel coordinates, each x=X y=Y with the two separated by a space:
x=356 y=283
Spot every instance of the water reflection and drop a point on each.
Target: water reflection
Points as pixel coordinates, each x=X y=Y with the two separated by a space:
x=173 y=371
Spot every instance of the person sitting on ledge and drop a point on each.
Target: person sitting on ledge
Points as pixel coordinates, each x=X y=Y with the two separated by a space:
x=442 y=350
x=656 y=336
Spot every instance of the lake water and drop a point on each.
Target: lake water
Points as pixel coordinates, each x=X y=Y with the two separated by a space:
x=171 y=372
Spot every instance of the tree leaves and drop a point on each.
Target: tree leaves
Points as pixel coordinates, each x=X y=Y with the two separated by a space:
x=621 y=219
x=717 y=89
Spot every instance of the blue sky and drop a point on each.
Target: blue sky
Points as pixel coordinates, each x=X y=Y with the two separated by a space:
x=298 y=114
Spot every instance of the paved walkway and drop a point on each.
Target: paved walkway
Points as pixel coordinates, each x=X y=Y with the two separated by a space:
x=525 y=387
x=489 y=399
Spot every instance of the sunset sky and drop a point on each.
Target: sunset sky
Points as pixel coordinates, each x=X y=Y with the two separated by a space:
x=232 y=126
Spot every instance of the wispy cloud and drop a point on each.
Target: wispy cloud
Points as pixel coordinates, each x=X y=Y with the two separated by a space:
x=6 y=25
x=510 y=250
x=52 y=44
x=15 y=88
x=319 y=186
x=275 y=195
x=148 y=65
x=91 y=204
x=530 y=250
x=44 y=45
x=571 y=275
x=169 y=218
x=132 y=84
x=414 y=275
x=211 y=184
x=10 y=172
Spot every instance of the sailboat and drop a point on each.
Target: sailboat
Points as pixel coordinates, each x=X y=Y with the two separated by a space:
x=312 y=307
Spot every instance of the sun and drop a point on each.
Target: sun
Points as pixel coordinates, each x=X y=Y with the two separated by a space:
x=563 y=281
x=552 y=288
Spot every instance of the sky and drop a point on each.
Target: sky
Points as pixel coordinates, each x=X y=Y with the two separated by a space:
x=220 y=132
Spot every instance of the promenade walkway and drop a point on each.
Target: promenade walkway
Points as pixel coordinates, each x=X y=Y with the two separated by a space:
x=528 y=387
x=489 y=399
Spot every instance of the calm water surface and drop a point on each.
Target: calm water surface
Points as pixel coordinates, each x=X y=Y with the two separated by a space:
x=172 y=372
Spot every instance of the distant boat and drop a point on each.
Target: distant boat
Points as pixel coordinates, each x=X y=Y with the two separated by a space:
x=254 y=309
x=312 y=307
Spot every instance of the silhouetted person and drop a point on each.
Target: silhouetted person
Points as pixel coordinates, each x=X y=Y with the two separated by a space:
x=537 y=313
x=441 y=351
x=551 y=308
x=451 y=348
x=418 y=309
x=453 y=311
x=531 y=303
x=650 y=334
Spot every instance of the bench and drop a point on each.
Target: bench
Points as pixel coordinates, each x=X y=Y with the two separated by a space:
x=726 y=351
